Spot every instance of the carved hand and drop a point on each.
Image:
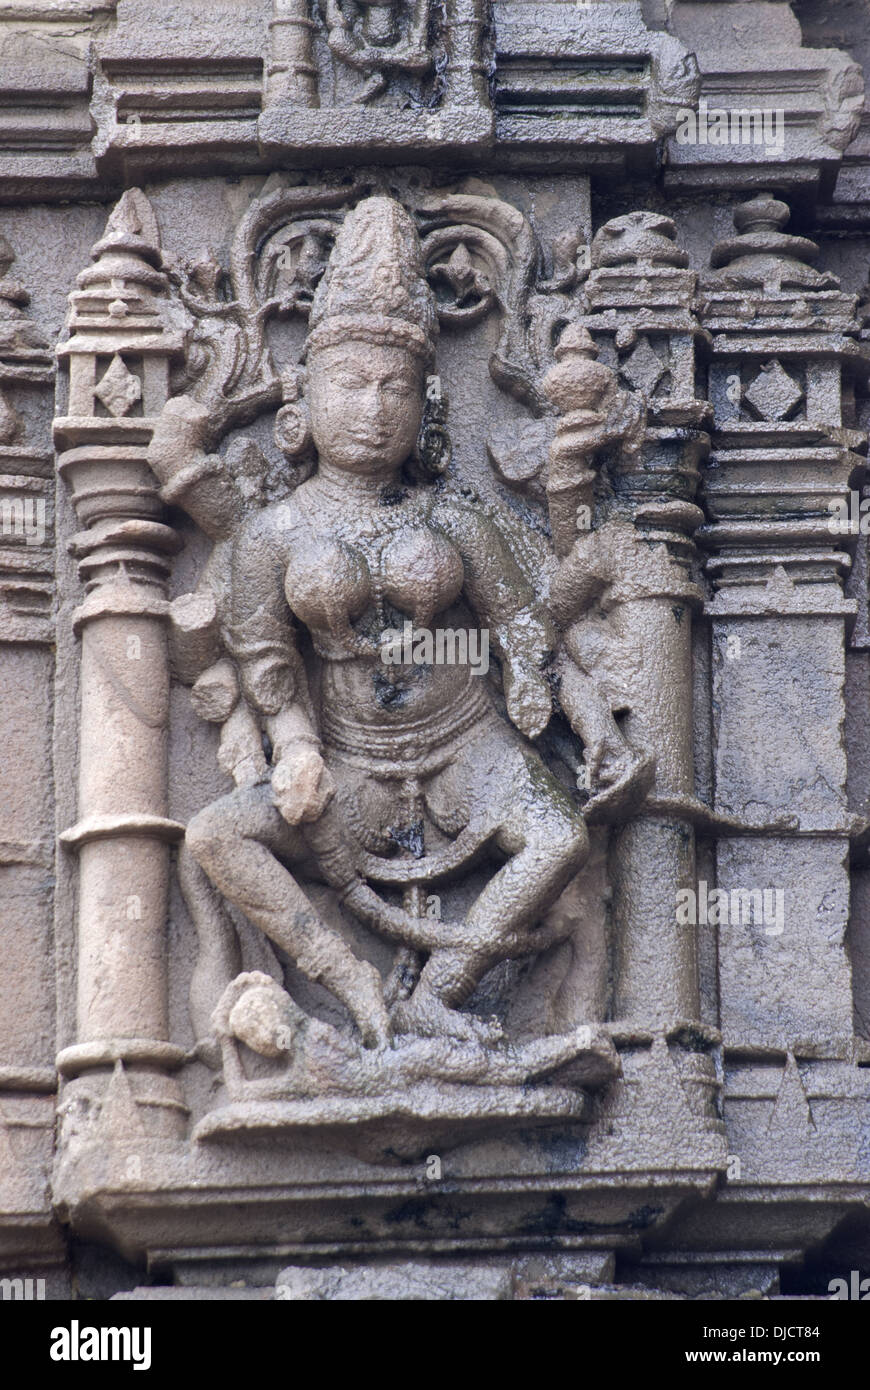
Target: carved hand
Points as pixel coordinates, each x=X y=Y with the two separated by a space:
x=302 y=787
x=179 y=435
x=528 y=697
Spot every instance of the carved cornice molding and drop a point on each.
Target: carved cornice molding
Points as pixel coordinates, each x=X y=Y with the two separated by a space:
x=90 y=101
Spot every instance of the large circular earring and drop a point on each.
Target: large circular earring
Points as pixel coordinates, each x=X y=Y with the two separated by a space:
x=292 y=429
x=292 y=432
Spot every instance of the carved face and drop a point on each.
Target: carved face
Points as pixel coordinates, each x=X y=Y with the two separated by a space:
x=366 y=404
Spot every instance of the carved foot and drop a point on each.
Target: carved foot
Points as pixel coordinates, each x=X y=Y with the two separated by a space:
x=374 y=86
x=367 y=1008
x=425 y=1015
x=208 y=1050
x=627 y=790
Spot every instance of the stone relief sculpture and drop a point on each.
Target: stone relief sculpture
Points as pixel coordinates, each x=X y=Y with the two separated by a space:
x=596 y=411
x=362 y=783
x=435 y=670
x=354 y=54
x=409 y=879
x=380 y=40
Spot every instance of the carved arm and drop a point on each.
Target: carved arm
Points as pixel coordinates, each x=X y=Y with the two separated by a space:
x=521 y=633
x=259 y=635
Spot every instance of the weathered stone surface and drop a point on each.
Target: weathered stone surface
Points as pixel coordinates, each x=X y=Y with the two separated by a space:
x=434 y=625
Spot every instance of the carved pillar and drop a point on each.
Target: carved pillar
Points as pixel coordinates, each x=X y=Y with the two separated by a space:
x=782 y=373
x=118 y=355
x=291 y=74
x=467 y=81
x=639 y=298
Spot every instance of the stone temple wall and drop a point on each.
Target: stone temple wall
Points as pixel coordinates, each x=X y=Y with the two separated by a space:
x=434 y=647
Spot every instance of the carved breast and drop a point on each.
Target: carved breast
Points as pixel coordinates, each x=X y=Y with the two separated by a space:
x=421 y=573
x=330 y=582
x=327 y=583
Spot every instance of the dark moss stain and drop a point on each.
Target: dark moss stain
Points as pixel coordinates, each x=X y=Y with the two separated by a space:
x=552 y=1220
x=419 y=1211
x=409 y=838
x=415 y=1211
x=643 y=1218
x=694 y=1041
x=392 y=494
x=565 y=1151
x=386 y=693
x=548 y=788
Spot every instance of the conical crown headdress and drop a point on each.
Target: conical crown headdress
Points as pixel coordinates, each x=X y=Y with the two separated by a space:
x=374 y=286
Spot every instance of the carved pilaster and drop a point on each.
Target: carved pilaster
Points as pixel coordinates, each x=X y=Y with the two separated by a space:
x=784 y=363
x=639 y=300
x=26 y=504
x=291 y=74
x=118 y=356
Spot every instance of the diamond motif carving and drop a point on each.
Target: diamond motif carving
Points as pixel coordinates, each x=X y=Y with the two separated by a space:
x=773 y=393
x=119 y=390
x=643 y=369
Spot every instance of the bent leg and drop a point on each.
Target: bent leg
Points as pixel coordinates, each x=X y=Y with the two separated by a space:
x=236 y=840
x=544 y=834
x=219 y=958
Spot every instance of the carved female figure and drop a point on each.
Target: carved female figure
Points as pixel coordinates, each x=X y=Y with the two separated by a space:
x=368 y=756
